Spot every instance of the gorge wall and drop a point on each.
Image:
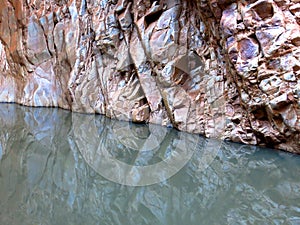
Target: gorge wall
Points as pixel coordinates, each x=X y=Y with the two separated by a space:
x=221 y=68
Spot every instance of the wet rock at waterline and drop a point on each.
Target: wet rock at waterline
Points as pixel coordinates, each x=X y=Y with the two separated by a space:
x=225 y=69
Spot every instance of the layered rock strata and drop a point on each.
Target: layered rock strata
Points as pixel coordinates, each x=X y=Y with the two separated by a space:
x=221 y=68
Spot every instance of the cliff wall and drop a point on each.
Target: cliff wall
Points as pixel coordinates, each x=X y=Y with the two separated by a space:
x=222 y=68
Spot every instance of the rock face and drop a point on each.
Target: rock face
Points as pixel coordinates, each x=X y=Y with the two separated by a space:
x=221 y=68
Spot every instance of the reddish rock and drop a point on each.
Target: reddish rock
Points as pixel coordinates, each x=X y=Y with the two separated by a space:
x=222 y=68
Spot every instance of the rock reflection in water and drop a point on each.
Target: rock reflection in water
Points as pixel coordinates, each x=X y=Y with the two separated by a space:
x=136 y=154
x=45 y=179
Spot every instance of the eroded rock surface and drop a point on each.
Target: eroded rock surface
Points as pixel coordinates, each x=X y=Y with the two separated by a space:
x=221 y=68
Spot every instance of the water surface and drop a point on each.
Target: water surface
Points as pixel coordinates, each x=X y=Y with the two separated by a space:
x=58 y=167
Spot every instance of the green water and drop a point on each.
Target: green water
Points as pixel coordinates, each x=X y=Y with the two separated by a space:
x=58 y=167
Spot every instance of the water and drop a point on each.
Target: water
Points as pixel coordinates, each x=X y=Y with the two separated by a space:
x=58 y=167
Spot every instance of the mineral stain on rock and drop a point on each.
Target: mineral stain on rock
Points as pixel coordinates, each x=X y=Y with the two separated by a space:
x=220 y=68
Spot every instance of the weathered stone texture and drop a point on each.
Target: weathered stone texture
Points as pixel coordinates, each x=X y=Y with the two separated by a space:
x=221 y=68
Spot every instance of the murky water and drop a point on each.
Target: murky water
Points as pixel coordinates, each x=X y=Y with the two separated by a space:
x=58 y=167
